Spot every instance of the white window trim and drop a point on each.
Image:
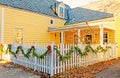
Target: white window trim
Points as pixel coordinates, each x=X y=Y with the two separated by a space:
x=22 y=34
x=63 y=11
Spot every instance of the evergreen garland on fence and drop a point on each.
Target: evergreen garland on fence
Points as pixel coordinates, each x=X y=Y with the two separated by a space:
x=27 y=53
x=1 y=48
x=67 y=56
x=76 y=49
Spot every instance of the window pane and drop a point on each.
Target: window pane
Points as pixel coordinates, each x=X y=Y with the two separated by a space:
x=75 y=39
x=60 y=38
x=88 y=39
x=61 y=10
x=105 y=37
x=18 y=37
x=51 y=21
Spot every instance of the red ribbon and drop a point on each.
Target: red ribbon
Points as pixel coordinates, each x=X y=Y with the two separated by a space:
x=32 y=47
x=48 y=48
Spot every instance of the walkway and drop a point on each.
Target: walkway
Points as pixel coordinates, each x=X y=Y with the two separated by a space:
x=10 y=72
x=111 y=72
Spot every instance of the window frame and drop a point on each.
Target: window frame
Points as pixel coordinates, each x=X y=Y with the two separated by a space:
x=86 y=41
x=51 y=21
x=63 y=14
x=14 y=35
x=105 y=39
x=75 y=39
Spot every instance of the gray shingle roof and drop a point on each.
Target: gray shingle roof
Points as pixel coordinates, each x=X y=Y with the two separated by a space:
x=38 y=6
x=78 y=14
x=45 y=7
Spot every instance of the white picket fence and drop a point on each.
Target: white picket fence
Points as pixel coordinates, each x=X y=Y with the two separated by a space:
x=51 y=64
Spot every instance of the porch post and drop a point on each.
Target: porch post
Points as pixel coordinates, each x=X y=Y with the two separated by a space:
x=2 y=26
x=62 y=37
x=79 y=36
x=115 y=45
x=101 y=35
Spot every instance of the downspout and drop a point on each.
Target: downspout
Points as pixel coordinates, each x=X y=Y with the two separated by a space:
x=2 y=26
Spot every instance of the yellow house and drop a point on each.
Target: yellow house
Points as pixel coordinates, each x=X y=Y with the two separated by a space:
x=45 y=21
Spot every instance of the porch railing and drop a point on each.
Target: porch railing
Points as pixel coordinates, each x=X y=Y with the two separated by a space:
x=51 y=64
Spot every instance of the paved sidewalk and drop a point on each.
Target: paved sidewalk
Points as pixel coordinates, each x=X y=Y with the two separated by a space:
x=111 y=72
x=11 y=72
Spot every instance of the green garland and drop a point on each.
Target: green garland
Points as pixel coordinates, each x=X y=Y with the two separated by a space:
x=76 y=49
x=1 y=48
x=26 y=54
x=32 y=51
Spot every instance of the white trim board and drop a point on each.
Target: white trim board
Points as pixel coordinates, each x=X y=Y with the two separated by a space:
x=2 y=26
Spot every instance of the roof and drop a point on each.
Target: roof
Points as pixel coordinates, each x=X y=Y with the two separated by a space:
x=38 y=6
x=78 y=14
x=74 y=15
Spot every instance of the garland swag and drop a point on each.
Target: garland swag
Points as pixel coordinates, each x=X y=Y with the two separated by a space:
x=1 y=48
x=76 y=49
x=26 y=54
x=67 y=56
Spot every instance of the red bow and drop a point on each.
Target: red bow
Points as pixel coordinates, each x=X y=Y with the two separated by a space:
x=32 y=47
x=48 y=47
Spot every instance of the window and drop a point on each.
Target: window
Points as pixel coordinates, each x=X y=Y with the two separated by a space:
x=75 y=39
x=51 y=21
x=60 y=38
x=88 y=39
x=61 y=12
x=18 y=35
x=105 y=38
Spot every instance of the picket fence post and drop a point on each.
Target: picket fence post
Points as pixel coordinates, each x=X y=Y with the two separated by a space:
x=51 y=58
x=35 y=59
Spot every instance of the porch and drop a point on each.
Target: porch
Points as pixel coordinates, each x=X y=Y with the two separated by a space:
x=83 y=34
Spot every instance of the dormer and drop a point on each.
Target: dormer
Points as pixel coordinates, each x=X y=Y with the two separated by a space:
x=61 y=10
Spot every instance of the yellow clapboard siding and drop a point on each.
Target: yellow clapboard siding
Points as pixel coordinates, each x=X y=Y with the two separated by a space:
x=117 y=24
x=117 y=33
x=34 y=25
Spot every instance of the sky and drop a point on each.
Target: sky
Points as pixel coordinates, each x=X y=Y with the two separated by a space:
x=77 y=3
